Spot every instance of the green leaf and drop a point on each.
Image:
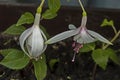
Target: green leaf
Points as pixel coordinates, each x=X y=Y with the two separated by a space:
x=48 y=14
x=107 y=23
x=113 y=56
x=5 y=52
x=87 y=47
x=40 y=68
x=15 y=59
x=26 y=18
x=101 y=56
x=14 y=30
x=54 y=5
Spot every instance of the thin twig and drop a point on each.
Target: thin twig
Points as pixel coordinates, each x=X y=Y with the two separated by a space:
x=94 y=72
x=114 y=38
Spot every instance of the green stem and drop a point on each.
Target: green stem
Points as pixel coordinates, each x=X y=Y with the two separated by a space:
x=113 y=39
x=115 y=31
x=83 y=9
x=39 y=9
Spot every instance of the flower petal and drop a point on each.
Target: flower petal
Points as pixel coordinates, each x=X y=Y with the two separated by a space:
x=29 y=44
x=85 y=38
x=71 y=26
x=62 y=36
x=99 y=37
x=23 y=37
x=45 y=39
x=37 y=42
x=76 y=37
x=80 y=40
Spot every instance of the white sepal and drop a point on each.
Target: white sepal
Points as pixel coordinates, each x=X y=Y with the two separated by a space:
x=61 y=36
x=23 y=38
x=99 y=37
x=71 y=26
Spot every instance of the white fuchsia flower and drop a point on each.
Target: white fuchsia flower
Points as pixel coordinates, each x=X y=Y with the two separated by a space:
x=80 y=35
x=32 y=40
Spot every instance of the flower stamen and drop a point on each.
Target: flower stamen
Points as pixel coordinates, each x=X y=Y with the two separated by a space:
x=73 y=59
x=76 y=49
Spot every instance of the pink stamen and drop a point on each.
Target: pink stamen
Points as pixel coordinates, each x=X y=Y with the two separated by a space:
x=74 y=57
x=77 y=47
x=73 y=45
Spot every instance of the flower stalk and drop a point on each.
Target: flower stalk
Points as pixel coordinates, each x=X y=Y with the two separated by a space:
x=39 y=9
x=83 y=9
x=115 y=31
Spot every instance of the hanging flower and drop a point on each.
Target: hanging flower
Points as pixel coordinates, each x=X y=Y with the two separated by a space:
x=32 y=40
x=80 y=35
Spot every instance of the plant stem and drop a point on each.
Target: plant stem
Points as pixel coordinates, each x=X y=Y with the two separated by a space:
x=94 y=72
x=82 y=6
x=39 y=9
x=113 y=39
x=83 y=9
x=115 y=31
x=104 y=47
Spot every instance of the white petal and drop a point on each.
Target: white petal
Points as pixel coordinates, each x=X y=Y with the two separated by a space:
x=44 y=36
x=29 y=44
x=71 y=26
x=45 y=39
x=23 y=38
x=76 y=37
x=80 y=40
x=85 y=38
x=37 y=42
x=62 y=36
x=99 y=37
